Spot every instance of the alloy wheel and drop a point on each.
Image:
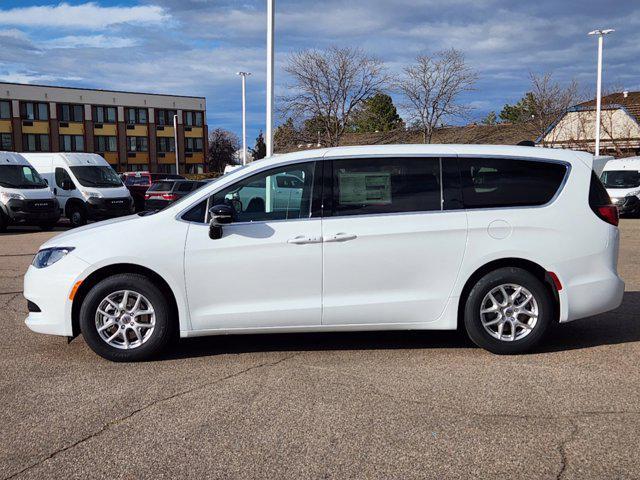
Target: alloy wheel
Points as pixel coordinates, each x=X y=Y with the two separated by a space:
x=125 y=319
x=509 y=312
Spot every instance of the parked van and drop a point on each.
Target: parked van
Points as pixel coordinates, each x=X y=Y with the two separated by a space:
x=621 y=178
x=25 y=198
x=85 y=185
x=504 y=241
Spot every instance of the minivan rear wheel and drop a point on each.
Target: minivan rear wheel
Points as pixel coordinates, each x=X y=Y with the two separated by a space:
x=126 y=318
x=508 y=311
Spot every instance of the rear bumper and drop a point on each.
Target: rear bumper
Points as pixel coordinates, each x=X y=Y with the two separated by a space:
x=49 y=289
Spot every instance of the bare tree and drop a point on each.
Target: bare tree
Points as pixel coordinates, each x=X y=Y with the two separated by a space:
x=432 y=86
x=328 y=85
x=549 y=99
x=223 y=145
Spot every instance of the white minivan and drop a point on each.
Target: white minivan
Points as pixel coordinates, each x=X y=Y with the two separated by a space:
x=85 y=185
x=25 y=198
x=621 y=178
x=503 y=240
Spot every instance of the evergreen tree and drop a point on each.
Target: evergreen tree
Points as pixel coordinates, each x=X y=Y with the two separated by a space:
x=377 y=114
x=260 y=149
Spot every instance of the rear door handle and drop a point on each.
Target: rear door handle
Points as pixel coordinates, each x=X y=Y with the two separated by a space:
x=340 y=237
x=302 y=240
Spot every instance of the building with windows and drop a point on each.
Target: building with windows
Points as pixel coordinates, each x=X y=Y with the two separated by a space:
x=132 y=131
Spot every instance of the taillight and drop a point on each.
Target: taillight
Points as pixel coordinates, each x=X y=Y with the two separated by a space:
x=608 y=213
x=147 y=196
x=169 y=196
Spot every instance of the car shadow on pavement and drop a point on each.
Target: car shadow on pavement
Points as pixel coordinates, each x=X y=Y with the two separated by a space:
x=619 y=326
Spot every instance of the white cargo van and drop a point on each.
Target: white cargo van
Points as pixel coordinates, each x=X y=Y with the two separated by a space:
x=25 y=198
x=621 y=178
x=85 y=185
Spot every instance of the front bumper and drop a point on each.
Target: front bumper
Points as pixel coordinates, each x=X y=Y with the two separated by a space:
x=49 y=288
x=99 y=208
x=32 y=211
x=627 y=205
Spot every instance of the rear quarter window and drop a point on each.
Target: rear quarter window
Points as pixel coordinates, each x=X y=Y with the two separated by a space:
x=505 y=182
x=161 y=187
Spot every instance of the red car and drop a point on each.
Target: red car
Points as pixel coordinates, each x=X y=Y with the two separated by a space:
x=139 y=182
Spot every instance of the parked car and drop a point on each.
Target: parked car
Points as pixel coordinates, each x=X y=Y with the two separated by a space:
x=621 y=178
x=163 y=193
x=25 y=197
x=84 y=184
x=503 y=241
x=139 y=182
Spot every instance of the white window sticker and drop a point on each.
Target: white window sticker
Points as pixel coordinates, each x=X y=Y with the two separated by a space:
x=364 y=188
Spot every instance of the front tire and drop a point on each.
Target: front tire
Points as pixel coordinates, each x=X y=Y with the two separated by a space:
x=77 y=216
x=508 y=311
x=126 y=318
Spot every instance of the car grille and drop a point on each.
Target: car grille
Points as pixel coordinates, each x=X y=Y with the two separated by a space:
x=117 y=203
x=39 y=205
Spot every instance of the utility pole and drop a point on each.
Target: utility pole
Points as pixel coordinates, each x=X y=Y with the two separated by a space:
x=175 y=139
x=270 y=75
x=244 y=76
x=600 y=34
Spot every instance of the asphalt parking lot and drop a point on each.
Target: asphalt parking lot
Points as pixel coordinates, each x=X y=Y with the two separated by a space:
x=383 y=405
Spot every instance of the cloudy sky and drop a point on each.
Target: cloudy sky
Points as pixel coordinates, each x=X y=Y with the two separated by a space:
x=195 y=47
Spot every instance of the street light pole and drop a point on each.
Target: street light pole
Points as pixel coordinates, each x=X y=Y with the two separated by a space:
x=175 y=139
x=600 y=34
x=244 y=76
x=270 y=75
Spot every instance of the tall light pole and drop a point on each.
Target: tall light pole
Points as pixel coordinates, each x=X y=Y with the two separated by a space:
x=600 y=34
x=270 y=77
x=244 y=76
x=175 y=140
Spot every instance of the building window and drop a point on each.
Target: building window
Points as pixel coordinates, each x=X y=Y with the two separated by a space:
x=166 y=168
x=70 y=113
x=195 y=168
x=137 y=144
x=104 y=114
x=71 y=143
x=104 y=143
x=166 y=144
x=137 y=167
x=32 y=142
x=34 y=111
x=165 y=117
x=136 y=116
x=5 y=110
x=6 y=142
x=193 y=119
x=193 y=145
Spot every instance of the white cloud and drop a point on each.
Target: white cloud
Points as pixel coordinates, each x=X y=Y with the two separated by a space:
x=84 y=16
x=90 y=41
x=31 y=77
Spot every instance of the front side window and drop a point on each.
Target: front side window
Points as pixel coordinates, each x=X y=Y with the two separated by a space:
x=621 y=178
x=20 y=176
x=61 y=176
x=93 y=176
x=506 y=182
x=386 y=185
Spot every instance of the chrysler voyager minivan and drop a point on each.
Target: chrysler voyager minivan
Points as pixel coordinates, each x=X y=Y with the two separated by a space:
x=503 y=241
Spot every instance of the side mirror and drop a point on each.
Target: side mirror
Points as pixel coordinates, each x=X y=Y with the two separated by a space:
x=46 y=182
x=67 y=184
x=220 y=215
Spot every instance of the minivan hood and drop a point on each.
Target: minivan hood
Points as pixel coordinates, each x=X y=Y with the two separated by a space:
x=69 y=238
x=31 y=193
x=116 y=192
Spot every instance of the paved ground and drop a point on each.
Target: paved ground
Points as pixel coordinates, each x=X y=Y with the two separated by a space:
x=385 y=405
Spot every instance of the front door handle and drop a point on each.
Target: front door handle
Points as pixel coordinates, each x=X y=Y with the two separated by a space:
x=303 y=240
x=340 y=237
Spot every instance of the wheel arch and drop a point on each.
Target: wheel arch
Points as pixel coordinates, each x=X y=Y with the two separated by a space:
x=532 y=267
x=72 y=202
x=104 y=272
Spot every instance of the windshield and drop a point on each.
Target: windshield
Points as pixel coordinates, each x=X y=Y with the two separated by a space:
x=161 y=187
x=20 y=176
x=93 y=176
x=621 y=178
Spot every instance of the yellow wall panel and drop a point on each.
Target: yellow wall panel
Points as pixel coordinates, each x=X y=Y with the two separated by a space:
x=5 y=126
x=137 y=131
x=167 y=132
x=37 y=127
x=141 y=157
x=106 y=130
x=194 y=133
x=111 y=157
x=73 y=129
x=195 y=158
x=169 y=158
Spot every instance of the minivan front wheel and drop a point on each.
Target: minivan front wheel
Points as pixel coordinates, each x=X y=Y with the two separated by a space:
x=508 y=311
x=126 y=318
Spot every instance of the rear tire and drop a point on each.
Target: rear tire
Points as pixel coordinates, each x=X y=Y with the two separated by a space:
x=3 y=222
x=77 y=216
x=116 y=327
x=500 y=317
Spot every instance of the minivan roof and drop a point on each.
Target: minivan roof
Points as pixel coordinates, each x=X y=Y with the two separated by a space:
x=630 y=163
x=13 y=158
x=71 y=159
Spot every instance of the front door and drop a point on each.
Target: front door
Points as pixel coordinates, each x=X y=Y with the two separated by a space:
x=391 y=253
x=266 y=270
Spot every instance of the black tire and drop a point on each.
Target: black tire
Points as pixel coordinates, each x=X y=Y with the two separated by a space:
x=472 y=318
x=77 y=216
x=3 y=222
x=159 y=338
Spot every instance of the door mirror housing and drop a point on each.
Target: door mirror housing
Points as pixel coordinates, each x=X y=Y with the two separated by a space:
x=220 y=215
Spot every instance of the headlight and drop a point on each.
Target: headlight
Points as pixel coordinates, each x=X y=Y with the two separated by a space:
x=49 y=256
x=88 y=195
x=6 y=196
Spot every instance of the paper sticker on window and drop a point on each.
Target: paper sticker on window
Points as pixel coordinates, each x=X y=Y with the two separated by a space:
x=364 y=188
